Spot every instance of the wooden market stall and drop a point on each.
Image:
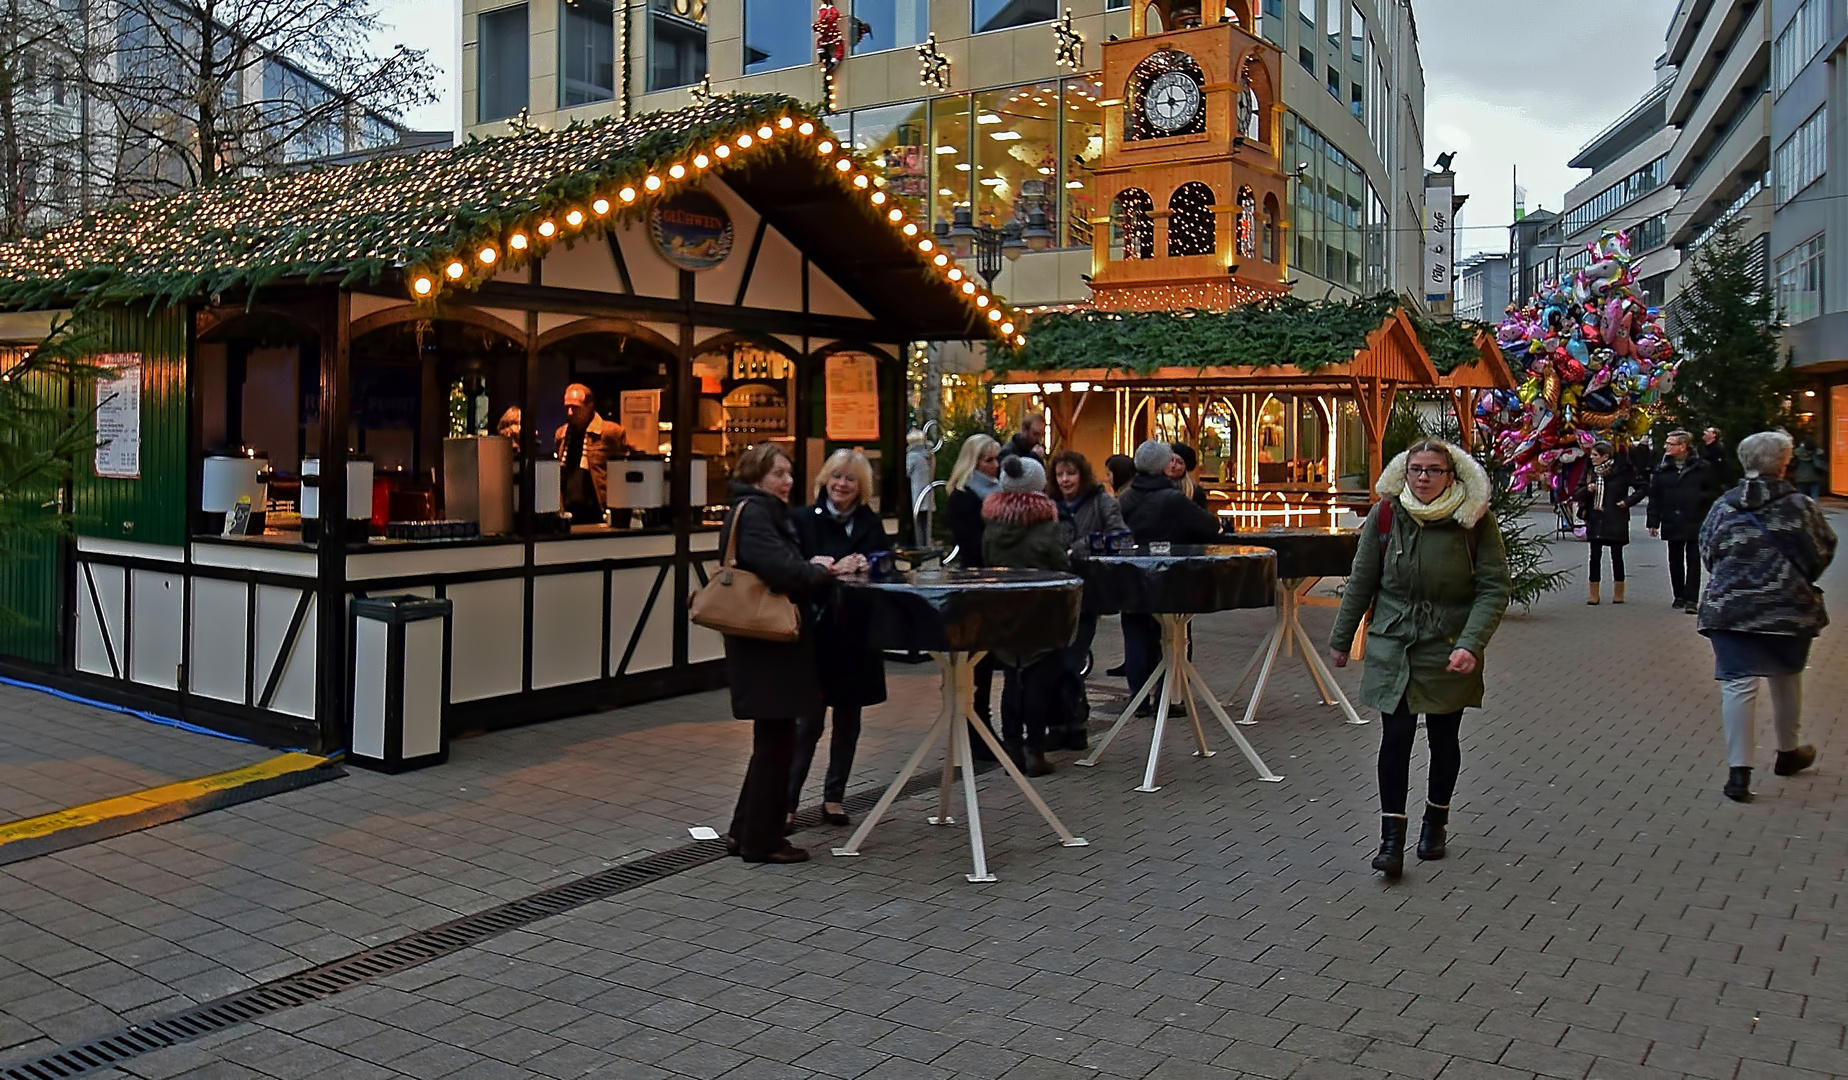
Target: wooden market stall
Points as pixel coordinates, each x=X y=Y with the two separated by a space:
x=1281 y=443
x=352 y=382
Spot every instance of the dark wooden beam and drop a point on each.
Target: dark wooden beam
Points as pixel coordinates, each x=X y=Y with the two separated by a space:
x=665 y=309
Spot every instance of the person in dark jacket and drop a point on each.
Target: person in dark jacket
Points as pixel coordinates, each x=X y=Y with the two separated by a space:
x=1085 y=510
x=1121 y=469
x=1181 y=469
x=1028 y=440
x=1713 y=449
x=1680 y=492
x=1156 y=511
x=773 y=683
x=843 y=528
x=1605 y=496
x=1023 y=534
x=1765 y=544
x=972 y=480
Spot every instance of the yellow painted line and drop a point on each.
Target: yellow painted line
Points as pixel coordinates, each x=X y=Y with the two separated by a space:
x=165 y=795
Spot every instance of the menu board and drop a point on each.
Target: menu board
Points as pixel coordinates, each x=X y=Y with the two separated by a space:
x=853 y=398
x=641 y=420
x=118 y=416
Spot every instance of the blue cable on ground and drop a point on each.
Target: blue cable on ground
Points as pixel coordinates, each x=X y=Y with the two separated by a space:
x=152 y=718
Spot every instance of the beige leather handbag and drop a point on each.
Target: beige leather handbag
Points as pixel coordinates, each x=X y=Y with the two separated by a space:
x=738 y=603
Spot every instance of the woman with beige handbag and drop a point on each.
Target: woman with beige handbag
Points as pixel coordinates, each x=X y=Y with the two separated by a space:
x=760 y=594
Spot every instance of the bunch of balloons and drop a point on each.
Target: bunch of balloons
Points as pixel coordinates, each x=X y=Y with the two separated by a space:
x=1594 y=361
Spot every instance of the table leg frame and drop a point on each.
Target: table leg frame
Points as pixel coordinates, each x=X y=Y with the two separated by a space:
x=956 y=720
x=1289 y=632
x=1178 y=680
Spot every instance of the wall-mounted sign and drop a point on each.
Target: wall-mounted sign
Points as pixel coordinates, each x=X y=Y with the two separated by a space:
x=1440 y=242
x=691 y=230
x=853 y=397
x=118 y=416
x=641 y=419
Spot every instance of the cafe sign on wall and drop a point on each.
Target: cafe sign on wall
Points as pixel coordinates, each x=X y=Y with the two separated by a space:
x=691 y=230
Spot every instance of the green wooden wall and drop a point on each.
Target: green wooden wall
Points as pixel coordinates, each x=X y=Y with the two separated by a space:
x=32 y=574
x=151 y=509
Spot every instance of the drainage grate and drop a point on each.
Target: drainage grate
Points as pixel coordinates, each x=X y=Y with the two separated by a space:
x=409 y=951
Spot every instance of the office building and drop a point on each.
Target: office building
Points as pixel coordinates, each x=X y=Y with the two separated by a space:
x=1482 y=286
x=1627 y=191
x=1012 y=135
x=1810 y=224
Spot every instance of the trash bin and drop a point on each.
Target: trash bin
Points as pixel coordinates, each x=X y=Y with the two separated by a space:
x=400 y=682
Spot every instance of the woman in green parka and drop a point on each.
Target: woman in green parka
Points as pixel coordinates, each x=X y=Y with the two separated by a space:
x=1431 y=569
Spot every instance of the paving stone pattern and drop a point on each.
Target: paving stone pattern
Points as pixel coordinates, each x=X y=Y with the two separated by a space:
x=55 y=754
x=1604 y=912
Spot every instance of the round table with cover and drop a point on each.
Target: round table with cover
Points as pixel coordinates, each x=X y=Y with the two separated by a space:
x=1174 y=583
x=1304 y=557
x=958 y=615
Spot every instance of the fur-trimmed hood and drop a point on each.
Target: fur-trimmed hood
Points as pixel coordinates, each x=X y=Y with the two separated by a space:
x=1019 y=508
x=1475 y=481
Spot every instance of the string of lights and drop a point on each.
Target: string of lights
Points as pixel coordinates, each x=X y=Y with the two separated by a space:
x=446 y=219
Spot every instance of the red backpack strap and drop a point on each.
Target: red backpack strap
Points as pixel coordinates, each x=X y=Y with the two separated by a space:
x=1384 y=518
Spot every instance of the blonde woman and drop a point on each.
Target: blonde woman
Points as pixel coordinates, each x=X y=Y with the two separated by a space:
x=841 y=528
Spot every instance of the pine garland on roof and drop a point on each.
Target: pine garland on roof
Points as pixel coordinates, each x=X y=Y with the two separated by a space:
x=359 y=221
x=1284 y=331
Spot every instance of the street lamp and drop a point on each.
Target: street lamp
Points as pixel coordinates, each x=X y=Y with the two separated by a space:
x=990 y=245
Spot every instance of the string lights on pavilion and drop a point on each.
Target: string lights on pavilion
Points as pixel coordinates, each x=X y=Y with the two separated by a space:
x=529 y=240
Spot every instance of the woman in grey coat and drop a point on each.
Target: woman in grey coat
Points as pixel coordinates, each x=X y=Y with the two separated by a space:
x=1764 y=545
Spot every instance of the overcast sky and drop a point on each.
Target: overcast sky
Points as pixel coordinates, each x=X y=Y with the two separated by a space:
x=1512 y=83
x=432 y=25
x=1508 y=82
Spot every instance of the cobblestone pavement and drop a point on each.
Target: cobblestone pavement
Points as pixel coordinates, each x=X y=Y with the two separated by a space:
x=56 y=754
x=1604 y=911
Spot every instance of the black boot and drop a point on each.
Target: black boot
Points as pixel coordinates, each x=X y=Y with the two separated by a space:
x=1036 y=764
x=1391 y=859
x=1017 y=754
x=1431 y=833
x=1738 y=784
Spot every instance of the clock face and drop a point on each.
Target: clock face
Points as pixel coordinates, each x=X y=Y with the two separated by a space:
x=1172 y=101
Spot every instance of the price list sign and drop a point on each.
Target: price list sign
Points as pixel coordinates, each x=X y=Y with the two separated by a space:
x=118 y=416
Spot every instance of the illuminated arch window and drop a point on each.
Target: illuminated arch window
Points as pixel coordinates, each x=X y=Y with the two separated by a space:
x=1271 y=218
x=1133 y=216
x=1190 y=220
x=1247 y=224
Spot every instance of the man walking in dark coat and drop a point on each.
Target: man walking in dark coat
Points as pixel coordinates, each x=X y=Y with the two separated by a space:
x=1681 y=491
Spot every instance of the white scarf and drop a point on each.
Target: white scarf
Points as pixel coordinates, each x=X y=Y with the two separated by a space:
x=1437 y=509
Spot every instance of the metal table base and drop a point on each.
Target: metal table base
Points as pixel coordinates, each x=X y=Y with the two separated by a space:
x=1178 y=679
x=956 y=720
x=1289 y=636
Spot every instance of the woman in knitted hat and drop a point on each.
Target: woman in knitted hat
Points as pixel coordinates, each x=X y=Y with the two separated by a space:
x=1021 y=531
x=1431 y=568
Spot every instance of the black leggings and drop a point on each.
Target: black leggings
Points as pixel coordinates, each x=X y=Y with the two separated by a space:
x=1398 y=730
x=840 y=754
x=1597 y=560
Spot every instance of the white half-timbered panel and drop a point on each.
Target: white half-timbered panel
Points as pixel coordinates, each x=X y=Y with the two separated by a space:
x=219 y=617
x=157 y=624
x=486 y=638
x=567 y=628
x=632 y=598
x=828 y=298
x=648 y=271
x=719 y=285
x=100 y=618
x=776 y=281
x=586 y=264
x=294 y=692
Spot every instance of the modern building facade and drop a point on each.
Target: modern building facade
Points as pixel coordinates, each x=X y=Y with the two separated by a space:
x=1482 y=286
x=1809 y=182
x=1011 y=135
x=1628 y=190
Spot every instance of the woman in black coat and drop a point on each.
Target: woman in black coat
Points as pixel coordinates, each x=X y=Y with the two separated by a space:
x=843 y=529
x=773 y=683
x=1605 y=496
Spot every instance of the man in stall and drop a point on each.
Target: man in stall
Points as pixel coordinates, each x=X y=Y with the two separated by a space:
x=585 y=443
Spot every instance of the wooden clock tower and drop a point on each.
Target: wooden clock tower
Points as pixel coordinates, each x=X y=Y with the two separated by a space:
x=1190 y=169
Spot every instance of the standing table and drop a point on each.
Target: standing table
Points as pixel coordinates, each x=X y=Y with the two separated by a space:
x=1186 y=580
x=957 y=615
x=1304 y=557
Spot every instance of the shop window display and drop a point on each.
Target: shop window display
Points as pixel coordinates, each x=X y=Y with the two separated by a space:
x=1082 y=143
x=891 y=139
x=949 y=156
x=1016 y=153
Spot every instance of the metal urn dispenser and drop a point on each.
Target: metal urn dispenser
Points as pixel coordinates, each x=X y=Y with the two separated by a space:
x=358 y=499
x=231 y=479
